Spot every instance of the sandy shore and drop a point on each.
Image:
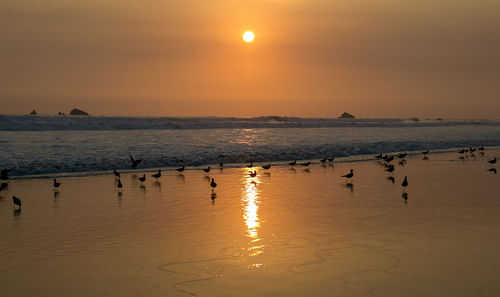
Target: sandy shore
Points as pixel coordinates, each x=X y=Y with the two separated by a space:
x=284 y=233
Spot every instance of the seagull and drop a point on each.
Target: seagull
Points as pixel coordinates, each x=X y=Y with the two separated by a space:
x=293 y=163
x=253 y=174
x=120 y=186
x=349 y=175
x=157 y=175
x=306 y=164
x=266 y=166
x=206 y=170
x=135 y=162
x=493 y=161
x=16 y=201
x=4 y=174
x=180 y=169
x=117 y=174
x=405 y=182
x=56 y=184
x=213 y=184
x=250 y=165
x=143 y=178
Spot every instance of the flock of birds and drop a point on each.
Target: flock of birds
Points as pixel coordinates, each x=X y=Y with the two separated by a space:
x=385 y=160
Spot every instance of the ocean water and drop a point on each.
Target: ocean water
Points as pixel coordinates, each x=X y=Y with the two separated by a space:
x=50 y=145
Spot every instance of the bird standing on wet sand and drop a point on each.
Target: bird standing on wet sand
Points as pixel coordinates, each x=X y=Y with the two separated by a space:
x=266 y=166
x=16 y=201
x=143 y=178
x=157 y=175
x=293 y=163
x=306 y=164
x=331 y=159
x=323 y=160
x=206 y=170
x=56 y=184
x=405 y=182
x=180 y=169
x=493 y=161
x=134 y=162
x=250 y=165
x=4 y=174
x=390 y=168
x=117 y=174
x=349 y=176
x=119 y=185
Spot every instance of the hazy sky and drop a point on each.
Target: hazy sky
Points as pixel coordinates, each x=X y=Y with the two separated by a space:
x=316 y=58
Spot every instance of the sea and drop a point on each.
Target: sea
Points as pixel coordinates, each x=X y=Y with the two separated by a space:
x=46 y=146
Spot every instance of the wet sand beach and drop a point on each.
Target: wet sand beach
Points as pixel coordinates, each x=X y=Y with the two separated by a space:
x=286 y=232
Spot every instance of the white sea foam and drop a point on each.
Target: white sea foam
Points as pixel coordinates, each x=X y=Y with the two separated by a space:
x=84 y=151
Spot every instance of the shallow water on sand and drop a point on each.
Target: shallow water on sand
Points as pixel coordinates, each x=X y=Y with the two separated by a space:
x=284 y=233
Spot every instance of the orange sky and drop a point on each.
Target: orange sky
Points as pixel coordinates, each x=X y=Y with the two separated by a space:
x=318 y=58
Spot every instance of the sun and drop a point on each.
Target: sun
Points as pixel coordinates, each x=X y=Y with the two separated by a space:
x=248 y=36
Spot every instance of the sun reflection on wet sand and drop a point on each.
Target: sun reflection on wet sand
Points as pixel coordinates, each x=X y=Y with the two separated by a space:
x=250 y=205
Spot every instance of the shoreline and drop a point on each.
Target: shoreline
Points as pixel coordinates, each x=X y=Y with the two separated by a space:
x=214 y=166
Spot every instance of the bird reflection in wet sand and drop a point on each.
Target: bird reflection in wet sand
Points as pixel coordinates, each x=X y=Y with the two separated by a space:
x=56 y=194
x=493 y=170
x=391 y=178
x=404 y=195
x=350 y=186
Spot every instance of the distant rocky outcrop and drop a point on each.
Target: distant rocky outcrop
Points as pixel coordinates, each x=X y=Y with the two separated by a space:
x=346 y=115
x=77 y=111
x=33 y=112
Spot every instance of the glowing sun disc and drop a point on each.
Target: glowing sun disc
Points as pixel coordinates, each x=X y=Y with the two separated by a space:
x=248 y=36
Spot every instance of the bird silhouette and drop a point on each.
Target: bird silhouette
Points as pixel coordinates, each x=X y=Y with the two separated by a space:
x=390 y=168
x=250 y=165
x=117 y=174
x=348 y=176
x=253 y=174
x=493 y=161
x=306 y=164
x=56 y=184
x=331 y=159
x=493 y=170
x=266 y=166
x=379 y=156
x=425 y=152
x=221 y=164
x=134 y=162
x=391 y=178
x=206 y=170
x=4 y=174
x=213 y=184
x=143 y=178
x=157 y=175
x=405 y=182
x=481 y=148
x=16 y=201
x=293 y=163
x=180 y=169
x=323 y=160
x=119 y=185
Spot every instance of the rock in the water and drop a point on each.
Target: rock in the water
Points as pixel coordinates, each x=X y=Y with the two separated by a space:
x=33 y=112
x=346 y=115
x=77 y=111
